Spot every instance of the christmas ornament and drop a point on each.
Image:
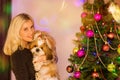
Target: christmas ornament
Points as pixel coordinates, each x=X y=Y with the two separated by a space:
x=80 y=53
x=105 y=47
x=77 y=74
x=69 y=69
x=110 y=35
x=118 y=45
x=118 y=50
x=89 y=33
x=97 y=62
x=96 y=31
x=81 y=68
x=114 y=72
x=111 y=67
x=97 y=17
x=115 y=11
x=82 y=28
x=83 y=15
x=118 y=59
x=75 y=50
x=103 y=24
x=94 y=53
x=95 y=75
x=109 y=41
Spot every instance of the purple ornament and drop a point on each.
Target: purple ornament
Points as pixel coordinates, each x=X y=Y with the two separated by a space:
x=89 y=33
x=94 y=53
x=80 y=53
x=97 y=17
x=77 y=74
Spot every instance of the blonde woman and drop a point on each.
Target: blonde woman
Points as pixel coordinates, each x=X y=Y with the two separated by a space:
x=20 y=33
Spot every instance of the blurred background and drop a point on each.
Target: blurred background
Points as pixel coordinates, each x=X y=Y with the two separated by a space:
x=60 y=18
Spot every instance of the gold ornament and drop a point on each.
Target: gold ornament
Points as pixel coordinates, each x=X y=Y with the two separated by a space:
x=75 y=50
x=118 y=45
x=118 y=50
x=115 y=11
x=111 y=67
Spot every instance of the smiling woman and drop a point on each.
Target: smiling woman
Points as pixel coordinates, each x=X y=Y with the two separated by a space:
x=60 y=18
x=20 y=33
x=26 y=32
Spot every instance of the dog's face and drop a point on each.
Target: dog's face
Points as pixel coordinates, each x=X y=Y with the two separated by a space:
x=40 y=47
x=36 y=47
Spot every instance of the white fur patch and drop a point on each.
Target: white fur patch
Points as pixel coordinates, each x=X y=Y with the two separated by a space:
x=37 y=35
x=40 y=42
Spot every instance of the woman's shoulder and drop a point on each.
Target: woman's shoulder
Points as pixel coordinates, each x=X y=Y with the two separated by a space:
x=16 y=53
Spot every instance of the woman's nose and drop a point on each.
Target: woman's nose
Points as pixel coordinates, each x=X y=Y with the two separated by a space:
x=31 y=31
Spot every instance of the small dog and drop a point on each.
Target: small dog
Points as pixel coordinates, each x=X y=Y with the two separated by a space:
x=44 y=44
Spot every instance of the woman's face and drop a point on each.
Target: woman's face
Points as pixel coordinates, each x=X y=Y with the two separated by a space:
x=27 y=31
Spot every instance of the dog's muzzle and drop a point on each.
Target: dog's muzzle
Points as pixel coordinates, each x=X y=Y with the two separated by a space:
x=37 y=50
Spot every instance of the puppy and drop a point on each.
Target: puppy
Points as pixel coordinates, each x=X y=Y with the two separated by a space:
x=43 y=44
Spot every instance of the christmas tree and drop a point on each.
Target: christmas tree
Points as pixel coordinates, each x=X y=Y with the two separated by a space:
x=96 y=55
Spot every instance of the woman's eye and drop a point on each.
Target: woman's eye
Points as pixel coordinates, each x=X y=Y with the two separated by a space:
x=32 y=26
x=25 y=29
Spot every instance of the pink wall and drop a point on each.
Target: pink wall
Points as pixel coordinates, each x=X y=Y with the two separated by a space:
x=61 y=18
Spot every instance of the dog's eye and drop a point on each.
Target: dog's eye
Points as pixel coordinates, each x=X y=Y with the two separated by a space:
x=41 y=47
x=35 y=45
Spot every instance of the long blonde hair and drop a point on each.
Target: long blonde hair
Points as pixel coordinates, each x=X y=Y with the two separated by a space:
x=13 y=40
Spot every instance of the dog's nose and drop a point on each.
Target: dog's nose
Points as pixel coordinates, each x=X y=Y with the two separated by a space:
x=37 y=50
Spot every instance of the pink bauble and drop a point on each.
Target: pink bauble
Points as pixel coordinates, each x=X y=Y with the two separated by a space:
x=80 y=53
x=97 y=17
x=84 y=14
x=89 y=33
x=77 y=74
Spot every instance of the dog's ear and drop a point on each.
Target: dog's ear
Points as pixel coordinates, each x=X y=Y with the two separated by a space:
x=49 y=39
x=48 y=43
x=49 y=56
x=48 y=52
x=37 y=34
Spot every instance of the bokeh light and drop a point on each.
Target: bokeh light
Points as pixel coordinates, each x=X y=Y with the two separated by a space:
x=4 y=64
x=7 y=8
x=78 y=3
